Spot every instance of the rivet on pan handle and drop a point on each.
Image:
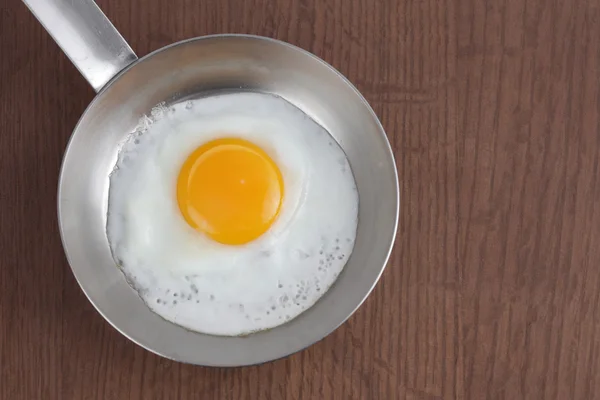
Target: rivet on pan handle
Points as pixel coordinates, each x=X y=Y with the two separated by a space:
x=87 y=37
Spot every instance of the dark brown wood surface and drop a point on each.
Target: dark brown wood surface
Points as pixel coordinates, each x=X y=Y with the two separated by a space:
x=529 y=198
x=493 y=289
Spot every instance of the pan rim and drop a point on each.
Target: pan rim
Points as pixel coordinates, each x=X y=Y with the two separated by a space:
x=326 y=332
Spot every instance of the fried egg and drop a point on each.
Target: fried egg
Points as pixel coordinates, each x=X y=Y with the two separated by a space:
x=231 y=214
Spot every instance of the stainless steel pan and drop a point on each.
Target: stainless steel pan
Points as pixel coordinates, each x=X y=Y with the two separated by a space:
x=128 y=88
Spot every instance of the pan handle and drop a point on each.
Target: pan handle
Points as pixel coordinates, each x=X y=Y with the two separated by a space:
x=86 y=36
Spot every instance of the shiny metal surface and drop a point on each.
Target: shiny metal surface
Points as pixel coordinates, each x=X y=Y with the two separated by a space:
x=87 y=37
x=200 y=67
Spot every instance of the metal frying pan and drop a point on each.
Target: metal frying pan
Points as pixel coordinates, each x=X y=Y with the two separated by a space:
x=128 y=88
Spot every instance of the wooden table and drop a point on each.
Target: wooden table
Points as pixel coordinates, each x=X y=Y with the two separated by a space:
x=493 y=290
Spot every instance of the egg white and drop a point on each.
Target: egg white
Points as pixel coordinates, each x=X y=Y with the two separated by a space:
x=209 y=287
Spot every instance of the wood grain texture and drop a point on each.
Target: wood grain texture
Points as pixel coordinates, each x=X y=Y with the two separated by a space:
x=408 y=340
x=529 y=193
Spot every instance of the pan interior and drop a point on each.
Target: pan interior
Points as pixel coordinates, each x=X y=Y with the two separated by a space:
x=204 y=67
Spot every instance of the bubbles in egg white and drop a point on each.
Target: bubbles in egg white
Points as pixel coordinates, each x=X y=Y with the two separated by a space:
x=219 y=289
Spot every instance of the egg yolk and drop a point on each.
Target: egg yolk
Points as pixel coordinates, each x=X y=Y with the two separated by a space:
x=230 y=189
